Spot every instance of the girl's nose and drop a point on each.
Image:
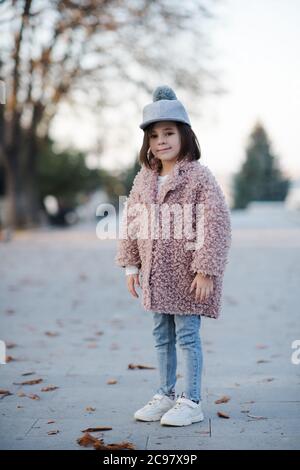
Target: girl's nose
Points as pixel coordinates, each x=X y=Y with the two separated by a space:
x=161 y=139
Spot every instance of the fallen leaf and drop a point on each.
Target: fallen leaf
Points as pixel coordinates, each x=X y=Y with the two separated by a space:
x=29 y=382
x=221 y=414
x=112 y=382
x=50 y=422
x=139 y=366
x=51 y=333
x=99 y=428
x=10 y=358
x=87 y=440
x=19 y=406
x=27 y=373
x=90 y=409
x=52 y=433
x=262 y=361
x=50 y=388
x=5 y=393
x=256 y=417
x=223 y=399
x=10 y=345
x=114 y=446
x=33 y=396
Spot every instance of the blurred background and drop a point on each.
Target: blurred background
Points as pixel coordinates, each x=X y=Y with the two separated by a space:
x=75 y=76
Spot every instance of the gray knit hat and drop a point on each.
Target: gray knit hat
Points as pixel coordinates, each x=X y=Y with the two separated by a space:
x=165 y=107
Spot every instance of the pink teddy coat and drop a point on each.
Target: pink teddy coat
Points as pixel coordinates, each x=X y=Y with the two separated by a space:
x=167 y=266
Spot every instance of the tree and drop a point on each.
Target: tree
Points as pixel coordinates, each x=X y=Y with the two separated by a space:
x=260 y=178
x=58 y=51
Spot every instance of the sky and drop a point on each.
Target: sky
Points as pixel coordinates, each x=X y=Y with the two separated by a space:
x=257 y=53
x=258 y=46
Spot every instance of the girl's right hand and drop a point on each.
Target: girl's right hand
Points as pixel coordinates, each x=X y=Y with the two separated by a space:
x=132 y=280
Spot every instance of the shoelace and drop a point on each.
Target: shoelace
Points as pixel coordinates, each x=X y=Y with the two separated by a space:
x=153 y=401
x=178 y=405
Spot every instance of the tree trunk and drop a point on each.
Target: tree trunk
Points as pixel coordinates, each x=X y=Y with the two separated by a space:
x=15 y=200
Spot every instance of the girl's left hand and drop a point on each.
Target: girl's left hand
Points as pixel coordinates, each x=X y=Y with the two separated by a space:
x=204 y=287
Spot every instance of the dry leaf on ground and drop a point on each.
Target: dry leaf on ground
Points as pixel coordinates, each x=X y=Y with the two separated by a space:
x=10 y=358
x=221 y=414
x=50 y=388
x=29 y=382
x=112 y=382
x=87 y=440
x=139 y=366
x=33 y=396
x=5 y=393
x=223 y=399
x=90 y=409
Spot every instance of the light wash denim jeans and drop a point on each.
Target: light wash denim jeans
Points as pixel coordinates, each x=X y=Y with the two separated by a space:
x=185 y=328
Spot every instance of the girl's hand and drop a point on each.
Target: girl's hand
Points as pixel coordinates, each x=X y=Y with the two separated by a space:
x=132 y=280
x=204 y=287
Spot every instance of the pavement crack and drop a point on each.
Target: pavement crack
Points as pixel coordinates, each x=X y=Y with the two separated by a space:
x=31 y=427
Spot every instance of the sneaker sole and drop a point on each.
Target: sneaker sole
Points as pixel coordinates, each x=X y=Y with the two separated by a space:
x=153 y=418
x=166 y=422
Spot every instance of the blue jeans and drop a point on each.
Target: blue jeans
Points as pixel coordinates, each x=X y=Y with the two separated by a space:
x=184 y=328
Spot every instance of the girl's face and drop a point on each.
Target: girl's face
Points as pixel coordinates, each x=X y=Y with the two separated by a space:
x=164 y=141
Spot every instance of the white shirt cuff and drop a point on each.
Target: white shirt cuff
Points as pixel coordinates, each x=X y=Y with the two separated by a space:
x=131 y=270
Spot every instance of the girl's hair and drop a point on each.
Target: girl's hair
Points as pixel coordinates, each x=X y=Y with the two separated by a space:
x=189 y=148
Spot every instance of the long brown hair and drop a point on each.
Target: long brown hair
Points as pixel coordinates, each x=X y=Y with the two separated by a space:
x=189 y=147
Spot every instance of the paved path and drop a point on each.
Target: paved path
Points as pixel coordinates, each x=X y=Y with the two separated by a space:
x=66 y=308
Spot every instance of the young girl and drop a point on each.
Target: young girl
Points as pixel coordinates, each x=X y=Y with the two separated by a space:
x=181 y=280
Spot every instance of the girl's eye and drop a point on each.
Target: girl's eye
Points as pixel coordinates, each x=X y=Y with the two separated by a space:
x=168 y=133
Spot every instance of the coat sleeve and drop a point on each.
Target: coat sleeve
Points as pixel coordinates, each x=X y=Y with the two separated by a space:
x=212 y=255
x=127 y=247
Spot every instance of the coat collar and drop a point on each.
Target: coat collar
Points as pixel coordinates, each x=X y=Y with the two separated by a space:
x=176 y=177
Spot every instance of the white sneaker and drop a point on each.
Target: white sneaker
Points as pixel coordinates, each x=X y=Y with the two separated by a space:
x=155 y=408
x=185 y=412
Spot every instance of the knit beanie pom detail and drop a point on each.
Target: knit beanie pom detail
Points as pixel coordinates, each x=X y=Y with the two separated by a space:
x=164 y=92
